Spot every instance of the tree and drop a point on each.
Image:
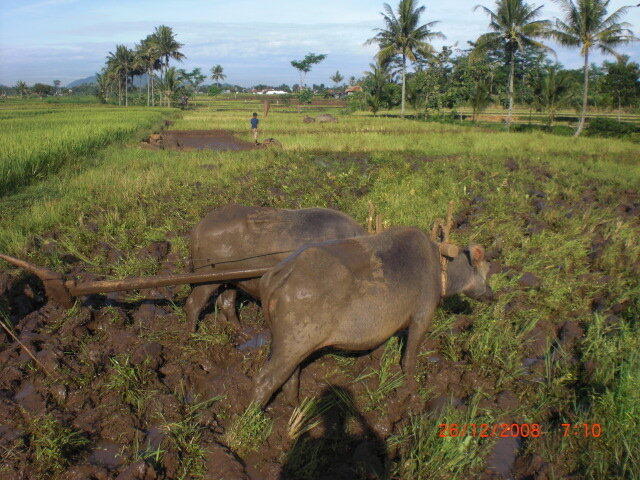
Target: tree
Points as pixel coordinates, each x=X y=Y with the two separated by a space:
x=42 y=89
x=514 y=27
x=622 y=82
x=56 y=84
x=403 y=37
x=148 y=59
x=337 y=78
x=194 y=78
x=102 y=86
x=217 y=74
x=428 y=86
x=167 y=46
x=586 y=25
x=22 y=88
x=378 y=90
x=552 y=90
x=121 y=62
x=304 y=66
x=172 y=85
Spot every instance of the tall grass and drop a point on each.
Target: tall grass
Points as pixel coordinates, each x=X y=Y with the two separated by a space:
x=37 y=142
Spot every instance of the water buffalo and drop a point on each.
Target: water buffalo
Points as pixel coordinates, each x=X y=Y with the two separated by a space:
x=354 y=294
x=237 y=236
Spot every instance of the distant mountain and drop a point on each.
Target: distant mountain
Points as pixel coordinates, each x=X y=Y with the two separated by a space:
x=138 y=81
x=83 y=81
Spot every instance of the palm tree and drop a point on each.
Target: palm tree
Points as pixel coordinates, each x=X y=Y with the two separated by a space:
x=171 y=84
x=167 y=45
x=587 y=25
x=148 y=58
x=404 y=37
x=514 y=27
x=22 y=88
x=337 y=78
x=121 y=63
x=375 y=81
x=217 y=74
x=552 y=90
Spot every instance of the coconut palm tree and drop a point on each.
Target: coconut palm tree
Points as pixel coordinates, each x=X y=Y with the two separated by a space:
x=552 y=89
x=404 y=37
x=337 y=78
x=167 y=45
x=148 y=59
x=587 y=25
x=121 y=63
x=217 y=74
x=514 y=26
x=171 y=84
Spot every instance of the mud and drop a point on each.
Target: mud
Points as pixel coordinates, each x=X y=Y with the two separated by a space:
x=185 y=140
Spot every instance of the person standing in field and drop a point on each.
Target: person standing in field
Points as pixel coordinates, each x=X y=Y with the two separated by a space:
x=254 y=126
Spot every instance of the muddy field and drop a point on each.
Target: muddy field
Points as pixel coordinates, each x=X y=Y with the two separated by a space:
x=186 y=140
x=136 y=400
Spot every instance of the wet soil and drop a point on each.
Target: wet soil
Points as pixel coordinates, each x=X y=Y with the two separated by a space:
x=221 y=140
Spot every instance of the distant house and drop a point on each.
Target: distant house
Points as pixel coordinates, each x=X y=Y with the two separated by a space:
x=353 y=89
x=274 y=92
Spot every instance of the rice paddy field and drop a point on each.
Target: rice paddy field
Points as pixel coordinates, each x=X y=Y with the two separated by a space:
x=542 y=383
x=38 y=140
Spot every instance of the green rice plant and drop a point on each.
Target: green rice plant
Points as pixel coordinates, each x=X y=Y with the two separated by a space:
x=36 y=144
x=248 y=430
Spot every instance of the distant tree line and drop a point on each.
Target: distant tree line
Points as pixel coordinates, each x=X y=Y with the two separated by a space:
x=509 y=63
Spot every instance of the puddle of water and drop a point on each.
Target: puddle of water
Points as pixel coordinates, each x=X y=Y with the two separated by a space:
x=255 y=342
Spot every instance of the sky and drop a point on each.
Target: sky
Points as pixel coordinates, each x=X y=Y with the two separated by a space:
x=43 y=40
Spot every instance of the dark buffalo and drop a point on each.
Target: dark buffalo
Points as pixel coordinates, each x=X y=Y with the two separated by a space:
x=354 y=294
x=236 y=236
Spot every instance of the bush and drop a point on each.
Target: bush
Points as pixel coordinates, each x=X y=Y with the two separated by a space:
x=608 y=127
x=305 y=96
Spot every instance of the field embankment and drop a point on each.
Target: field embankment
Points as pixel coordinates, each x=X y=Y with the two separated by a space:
x=135 y=391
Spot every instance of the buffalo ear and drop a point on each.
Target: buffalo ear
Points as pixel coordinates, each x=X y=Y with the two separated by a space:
x=476 y=252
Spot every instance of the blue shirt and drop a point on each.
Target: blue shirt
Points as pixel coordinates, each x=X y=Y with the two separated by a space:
x=254 y=123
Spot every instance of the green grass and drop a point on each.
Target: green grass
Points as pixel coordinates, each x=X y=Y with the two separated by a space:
x=248 y=430
x=54 y=445
x=127 y=197
x=37 y=142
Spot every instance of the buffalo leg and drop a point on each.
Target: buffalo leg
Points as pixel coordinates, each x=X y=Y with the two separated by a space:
x=198 y=299
x=226 y=302
x=417 y=329
x=283 y=361
x=291 y=387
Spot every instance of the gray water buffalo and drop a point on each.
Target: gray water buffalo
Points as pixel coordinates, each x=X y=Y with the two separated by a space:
x=236 y=236
x=354 y=294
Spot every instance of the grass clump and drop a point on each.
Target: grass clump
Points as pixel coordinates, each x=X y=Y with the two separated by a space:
x=53 y=444
x=425 y=455
x=249 y=430
x=130 y=380
x=185 y=437
x=387 y=375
